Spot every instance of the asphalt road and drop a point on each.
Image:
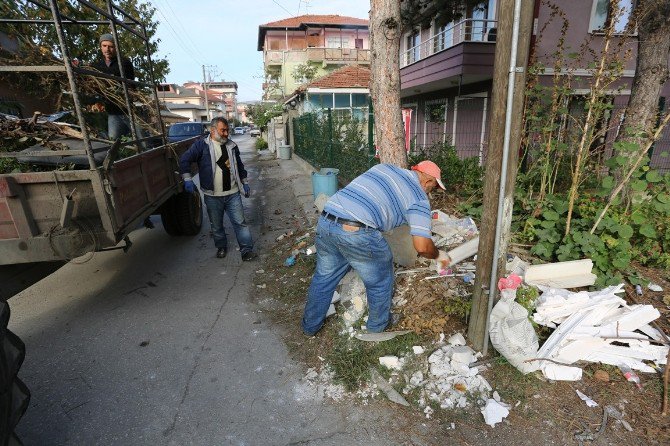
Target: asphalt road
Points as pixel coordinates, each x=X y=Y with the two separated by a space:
x=168 y=345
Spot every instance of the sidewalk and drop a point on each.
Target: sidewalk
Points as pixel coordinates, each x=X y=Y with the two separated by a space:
x=299 y=172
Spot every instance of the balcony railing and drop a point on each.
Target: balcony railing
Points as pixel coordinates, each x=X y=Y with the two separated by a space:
x=468 y=30
x=278 y=57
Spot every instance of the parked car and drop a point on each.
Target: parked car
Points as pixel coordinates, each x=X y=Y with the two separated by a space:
x=246 y=129
x=184 y=130
x=238 y=131
x=255 y=132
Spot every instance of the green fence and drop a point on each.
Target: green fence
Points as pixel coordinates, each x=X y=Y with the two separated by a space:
x=335 y=139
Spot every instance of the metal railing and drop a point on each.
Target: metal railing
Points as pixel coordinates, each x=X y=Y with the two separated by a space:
x=468 y=30
x=278 y=57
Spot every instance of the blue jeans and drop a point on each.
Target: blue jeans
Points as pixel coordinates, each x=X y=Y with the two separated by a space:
x=337 y=251
x=216 y=208
x=117 y=126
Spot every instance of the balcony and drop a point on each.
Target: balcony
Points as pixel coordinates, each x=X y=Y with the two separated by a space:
x=317 y=54
x=462 y=53
x=467 y=30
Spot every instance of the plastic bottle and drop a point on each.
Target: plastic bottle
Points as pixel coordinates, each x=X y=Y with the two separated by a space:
x=638 y=290
x=630 y=375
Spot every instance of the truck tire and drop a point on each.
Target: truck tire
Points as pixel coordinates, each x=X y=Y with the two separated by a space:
x=182 y=214
x=14 y=395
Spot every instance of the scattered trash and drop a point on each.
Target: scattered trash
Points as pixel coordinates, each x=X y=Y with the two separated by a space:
x=278 y=211
x=510 y=330
x=462 y=252
x=638 y=290
x=284 y=235
x=571 y=274
x=455 y=339
x=311 y=250
x=261 y=286
x=380 y=337
x=417 y=349
x=589 y=402
x=452 y=231
x=320 y=202
x=516 y=266
x=260 y=271
x=385 y=387
x=302 y=237
x=494 y=412
x=290 y=261
x=630 y=375
x=654 y=287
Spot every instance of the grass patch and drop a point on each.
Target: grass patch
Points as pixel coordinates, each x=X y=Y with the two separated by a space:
x=351 y=359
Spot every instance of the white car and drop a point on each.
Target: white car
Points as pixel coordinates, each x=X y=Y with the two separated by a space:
x=238 y=131
x=255 y=132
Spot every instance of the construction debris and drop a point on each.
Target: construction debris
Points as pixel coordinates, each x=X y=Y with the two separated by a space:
x=380 y=337
x=571 y=274
x=388 y=389
x=452 y=231
x=494 y=412
x=588 y=324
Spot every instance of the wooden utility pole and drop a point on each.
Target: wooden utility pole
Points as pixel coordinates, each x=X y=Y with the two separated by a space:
x=494 y=157
x=385 y=32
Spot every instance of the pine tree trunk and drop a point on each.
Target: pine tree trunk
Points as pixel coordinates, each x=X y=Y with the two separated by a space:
x=385 y=32
x=651 y=72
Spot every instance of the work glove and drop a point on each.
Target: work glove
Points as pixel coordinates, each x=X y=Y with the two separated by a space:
x=247 y=190
x=189 y=186
x=442 y=261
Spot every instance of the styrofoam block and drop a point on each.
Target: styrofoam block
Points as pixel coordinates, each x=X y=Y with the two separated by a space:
x=570 y=274
x=456 y=339
x=558 y=372
x=462 y=252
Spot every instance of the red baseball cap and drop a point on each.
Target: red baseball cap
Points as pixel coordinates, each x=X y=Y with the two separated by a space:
x=430 y=168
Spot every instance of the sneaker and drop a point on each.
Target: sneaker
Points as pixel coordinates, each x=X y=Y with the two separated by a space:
x=221 y=253
x=249 y=255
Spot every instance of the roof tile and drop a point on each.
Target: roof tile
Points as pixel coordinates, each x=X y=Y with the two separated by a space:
x=331 y=19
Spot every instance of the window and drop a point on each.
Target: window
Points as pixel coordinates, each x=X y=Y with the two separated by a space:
x=342 y=100
x=320 y=100
x=359 y=100
x=604 y=11
x=435 y=111
x=358 y=44
x=337 y=42
x=443 y=37
x=413 y=47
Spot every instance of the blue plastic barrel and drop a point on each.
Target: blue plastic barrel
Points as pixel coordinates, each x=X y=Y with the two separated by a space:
x=325 y=181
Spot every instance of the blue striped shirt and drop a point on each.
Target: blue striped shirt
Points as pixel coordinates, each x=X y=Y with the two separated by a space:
x=384 y=197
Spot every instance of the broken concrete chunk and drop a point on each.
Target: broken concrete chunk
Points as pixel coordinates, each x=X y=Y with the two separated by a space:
x=571 y=274
x=331 y=310
x=417 y=349
x=494 y=412
x=589 y=402
x=456 y=339
x=391 y=362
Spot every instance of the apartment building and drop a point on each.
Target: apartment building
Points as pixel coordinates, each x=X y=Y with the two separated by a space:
x=446 y=71
x=317 y=44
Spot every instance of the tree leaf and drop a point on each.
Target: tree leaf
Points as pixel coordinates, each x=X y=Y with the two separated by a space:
x=639 y=185
x=648 y=231
x=653 y=176
x=625 y=231
x=550 y=215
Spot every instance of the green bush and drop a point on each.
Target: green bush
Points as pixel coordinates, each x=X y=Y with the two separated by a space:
x=261 y=143
x=462 y=176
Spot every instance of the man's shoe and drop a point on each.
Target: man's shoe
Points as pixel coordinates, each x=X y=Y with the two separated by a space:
x=221 y=253
x=249 y=255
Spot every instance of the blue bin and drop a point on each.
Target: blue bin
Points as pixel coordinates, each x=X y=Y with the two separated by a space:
x=325 y=181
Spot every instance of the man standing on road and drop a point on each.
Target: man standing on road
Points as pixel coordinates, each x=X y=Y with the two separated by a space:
x=349 y=235
x=222 y=177
x=118 y=123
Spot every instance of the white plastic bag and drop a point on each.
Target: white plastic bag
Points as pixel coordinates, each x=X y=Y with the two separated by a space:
x=512 y=334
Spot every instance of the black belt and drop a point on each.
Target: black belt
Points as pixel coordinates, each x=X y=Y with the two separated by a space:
x=344 y=221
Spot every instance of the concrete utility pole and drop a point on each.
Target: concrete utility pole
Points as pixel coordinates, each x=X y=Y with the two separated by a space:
x=493 y=219
x=204 y=85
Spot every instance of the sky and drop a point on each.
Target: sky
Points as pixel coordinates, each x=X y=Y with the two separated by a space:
x=223 y=35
